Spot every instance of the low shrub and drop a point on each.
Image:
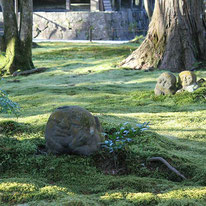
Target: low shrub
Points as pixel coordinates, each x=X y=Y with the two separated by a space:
x=7 y=105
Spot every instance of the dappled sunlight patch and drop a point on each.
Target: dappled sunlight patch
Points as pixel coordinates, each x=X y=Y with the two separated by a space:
x=142 y=198
x=24 y=190
x=185 y=196
x=16 y=186
x=112 y=196
x=139 y=198
x=198 y=193
x=53 y=191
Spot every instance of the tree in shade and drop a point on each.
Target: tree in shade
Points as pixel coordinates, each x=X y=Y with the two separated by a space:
x=17 y=40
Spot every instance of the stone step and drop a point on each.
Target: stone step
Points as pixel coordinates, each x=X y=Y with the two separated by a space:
x=107 y=5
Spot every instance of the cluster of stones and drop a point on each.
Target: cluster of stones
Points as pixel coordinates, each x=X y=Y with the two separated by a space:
x=167 y=83
x=73 y=130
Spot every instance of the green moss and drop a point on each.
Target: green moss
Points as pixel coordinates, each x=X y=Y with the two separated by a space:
x=86 y=75
x=24 y=190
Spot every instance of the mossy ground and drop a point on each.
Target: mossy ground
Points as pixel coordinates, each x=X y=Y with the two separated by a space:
x=87 y=75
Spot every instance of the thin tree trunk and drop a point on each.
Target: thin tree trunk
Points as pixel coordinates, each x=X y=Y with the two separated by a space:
x=25 y=33
x=176 y=38
x=10 y=36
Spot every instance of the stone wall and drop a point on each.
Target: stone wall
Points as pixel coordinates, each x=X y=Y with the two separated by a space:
x=76 y=25
x=122 y=25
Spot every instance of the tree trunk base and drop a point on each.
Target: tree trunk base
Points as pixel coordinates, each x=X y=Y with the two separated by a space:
x=176 y=38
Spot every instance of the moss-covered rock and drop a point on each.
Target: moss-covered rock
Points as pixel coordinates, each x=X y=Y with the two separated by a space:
x=72 y=129
x=166 y=84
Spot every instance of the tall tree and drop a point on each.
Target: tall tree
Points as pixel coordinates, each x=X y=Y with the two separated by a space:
x=17 y=40
x=176 y=38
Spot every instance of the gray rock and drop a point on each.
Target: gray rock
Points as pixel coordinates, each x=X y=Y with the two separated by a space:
x=166 y=84
x=73 y=130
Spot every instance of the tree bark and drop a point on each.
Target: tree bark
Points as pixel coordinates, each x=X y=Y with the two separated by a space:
x=25 y=33
x=10 y=36
x=18 y=44
x=176 y=38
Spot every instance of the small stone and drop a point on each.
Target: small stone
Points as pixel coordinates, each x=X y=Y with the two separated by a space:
x=191 y=88
x=166 y=84
x=73 y=130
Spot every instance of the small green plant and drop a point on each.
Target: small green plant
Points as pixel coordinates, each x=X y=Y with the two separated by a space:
x=123 y=136
x=6 y=105
x=118 y=140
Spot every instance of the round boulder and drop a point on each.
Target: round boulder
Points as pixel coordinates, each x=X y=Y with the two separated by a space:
x=73 y=130
x=166 y=84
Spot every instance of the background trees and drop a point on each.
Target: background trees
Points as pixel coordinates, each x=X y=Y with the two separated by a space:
x=17 y=40
x=176 y=38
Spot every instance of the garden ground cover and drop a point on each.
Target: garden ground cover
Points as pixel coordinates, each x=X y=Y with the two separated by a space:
x=88 y=75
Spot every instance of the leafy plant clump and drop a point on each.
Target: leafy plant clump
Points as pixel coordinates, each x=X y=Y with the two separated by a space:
x=7 y=105
x=116 y=147
x=123 y=136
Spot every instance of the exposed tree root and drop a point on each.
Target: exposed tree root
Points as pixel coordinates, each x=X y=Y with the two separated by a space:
x=152 y=159
x=28 y=72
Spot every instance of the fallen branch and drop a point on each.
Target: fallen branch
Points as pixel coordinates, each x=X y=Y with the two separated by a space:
x=28 y=72
x=152 y=159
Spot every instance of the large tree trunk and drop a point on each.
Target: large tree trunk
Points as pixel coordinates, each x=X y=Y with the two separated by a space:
x=18 y=44
x=176 y=38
